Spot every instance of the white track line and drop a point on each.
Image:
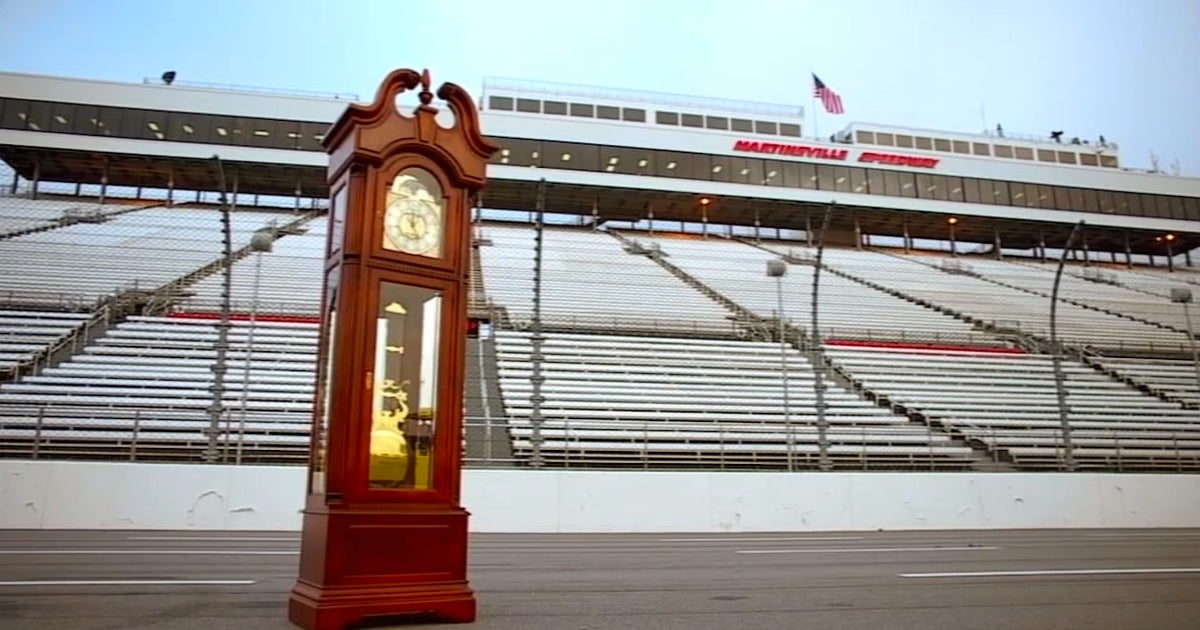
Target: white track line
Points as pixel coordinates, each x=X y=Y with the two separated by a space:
x=1147 y=535
x=741 y=540
x=294 y=539
x=1050 y=572
x=865 y=550
x=147 y=552
x=128 y=583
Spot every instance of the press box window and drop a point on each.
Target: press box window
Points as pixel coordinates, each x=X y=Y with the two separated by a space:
x=716 y=122
x=666 y=118
x=692 y=120
x=764 y=127
x=741 y=124
x=582 y=110
x=557 y=108
x=529 y=105
x=503 y=103
x=608 y=112
x=789 y=129
x=631 y=114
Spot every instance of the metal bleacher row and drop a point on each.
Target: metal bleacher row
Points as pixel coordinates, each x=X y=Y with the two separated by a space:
x=643 y=365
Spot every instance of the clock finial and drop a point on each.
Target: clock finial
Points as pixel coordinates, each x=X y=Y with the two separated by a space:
x=426 y=96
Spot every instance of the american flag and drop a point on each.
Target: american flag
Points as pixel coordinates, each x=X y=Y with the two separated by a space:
x=829 y=98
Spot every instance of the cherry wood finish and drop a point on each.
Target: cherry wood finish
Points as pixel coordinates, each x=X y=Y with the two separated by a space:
x=368 y=554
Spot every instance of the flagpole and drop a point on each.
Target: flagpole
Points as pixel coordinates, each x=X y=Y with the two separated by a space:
x=812 y=92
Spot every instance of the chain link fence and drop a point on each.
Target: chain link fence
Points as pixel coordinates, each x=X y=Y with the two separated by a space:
x=632 y=343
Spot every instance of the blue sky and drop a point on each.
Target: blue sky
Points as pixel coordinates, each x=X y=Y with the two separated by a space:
x=1127 y=70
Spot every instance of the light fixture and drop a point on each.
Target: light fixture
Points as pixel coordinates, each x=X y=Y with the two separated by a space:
x=60 y=119
x=716 y=168
x=772 y=174
x=610 y=168
x=840 y=180
x=670 y=166
x=221 y=132
x=262 y=133
x=534 y=155
x=612 y=160
x=566 y=157
x=291 y=134
x=152 y=125
x=504 y=160
x=643 y=162
x=504 y=152
x=704 y=201
x=1170 y=237
x=952 y=220
x=744 y=171
x=188 y=129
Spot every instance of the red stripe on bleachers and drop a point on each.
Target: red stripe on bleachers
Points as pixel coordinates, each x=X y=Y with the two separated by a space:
x=926 y=347
x=244 y=317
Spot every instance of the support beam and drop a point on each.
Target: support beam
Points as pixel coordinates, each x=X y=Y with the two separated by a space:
x=808 y=229
x=1170 y=255
x=650 y=216
x=907 y=238
x=595 y=213
x=16 y=182
x=997 y=245
x=1087 y=253
x=171 y=187
x=37 y=176
x=858 y=239
x=1042 y=245
x=1187 y=258
x=758 y=226
x=1128 y=251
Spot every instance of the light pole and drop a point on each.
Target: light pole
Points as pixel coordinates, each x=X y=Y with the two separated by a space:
x=262 y=241
x=1184 y=297
x=778 y=269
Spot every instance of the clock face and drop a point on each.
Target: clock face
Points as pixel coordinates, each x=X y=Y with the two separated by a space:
x=413 y=218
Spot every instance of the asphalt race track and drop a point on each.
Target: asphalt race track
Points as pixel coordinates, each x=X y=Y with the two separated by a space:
x=1037 y=580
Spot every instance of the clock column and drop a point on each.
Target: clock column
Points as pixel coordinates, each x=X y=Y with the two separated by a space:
x=384 y=534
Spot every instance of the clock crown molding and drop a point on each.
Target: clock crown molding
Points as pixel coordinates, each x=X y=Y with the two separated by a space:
x=373 y=132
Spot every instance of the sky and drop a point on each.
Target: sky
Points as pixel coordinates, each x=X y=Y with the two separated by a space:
x=1127 y=70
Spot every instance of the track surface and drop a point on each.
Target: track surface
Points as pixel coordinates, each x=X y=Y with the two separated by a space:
x=1118 y=579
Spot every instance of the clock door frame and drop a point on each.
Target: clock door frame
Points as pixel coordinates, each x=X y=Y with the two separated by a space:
x=450 y=371
x=454 y=225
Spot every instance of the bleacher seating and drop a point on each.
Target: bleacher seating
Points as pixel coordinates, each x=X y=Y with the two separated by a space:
x=590 y=282
x=849 y=310
x=1008 y=402
x=148 y=381
x=665 y=401
x=27 y=335
x=641 y=366
x=143 y=249
x=19 y=214
x=289 y=281
x=1172 y=379
x=919 y=276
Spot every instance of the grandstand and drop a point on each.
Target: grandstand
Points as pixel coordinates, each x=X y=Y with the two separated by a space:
x=627 y=318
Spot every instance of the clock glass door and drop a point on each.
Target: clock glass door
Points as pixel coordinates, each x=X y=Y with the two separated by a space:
x=404 y=405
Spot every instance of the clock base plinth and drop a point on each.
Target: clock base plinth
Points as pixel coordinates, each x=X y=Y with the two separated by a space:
x=382 y=564
x=313 y=608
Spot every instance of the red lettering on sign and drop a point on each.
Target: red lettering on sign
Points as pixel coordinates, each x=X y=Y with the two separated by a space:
x=826 y=153
x=794 y=150
x=915 y=161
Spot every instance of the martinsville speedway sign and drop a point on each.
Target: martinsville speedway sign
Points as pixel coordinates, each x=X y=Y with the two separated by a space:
x=827 y=153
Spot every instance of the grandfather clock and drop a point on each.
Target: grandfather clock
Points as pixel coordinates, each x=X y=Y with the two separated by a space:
x=384 y=535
